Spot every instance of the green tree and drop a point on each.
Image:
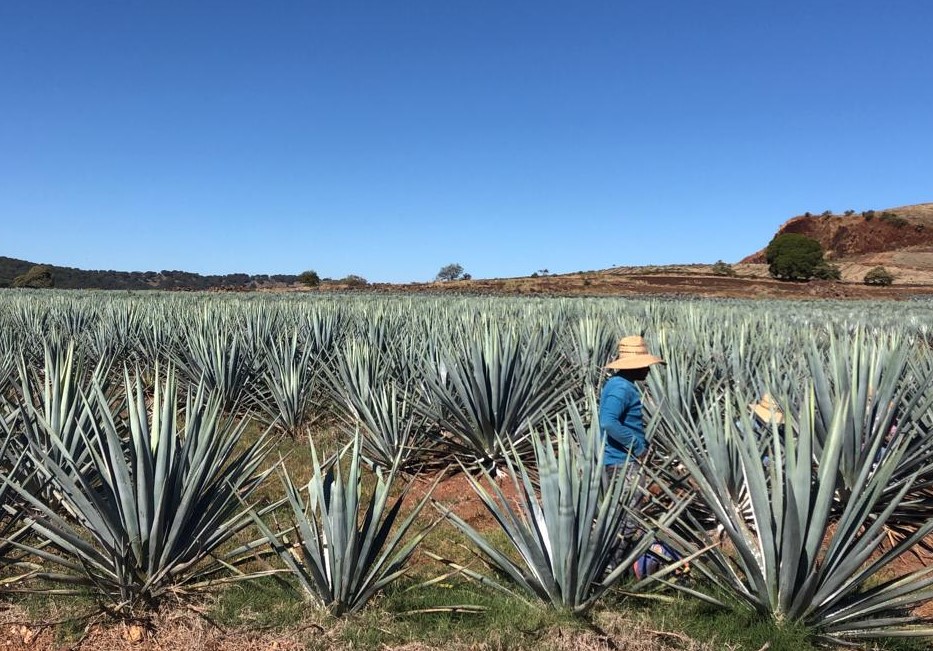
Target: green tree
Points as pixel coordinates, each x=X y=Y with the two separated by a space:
x=451 y=271
x=309 y=278
x=39 y=277
x=792 y=256
x=878 y=276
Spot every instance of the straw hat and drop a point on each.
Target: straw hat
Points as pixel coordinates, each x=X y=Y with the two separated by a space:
x=633 y=353
x=768 y=410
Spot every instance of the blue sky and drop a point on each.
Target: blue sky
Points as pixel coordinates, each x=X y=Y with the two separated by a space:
x=387 y=139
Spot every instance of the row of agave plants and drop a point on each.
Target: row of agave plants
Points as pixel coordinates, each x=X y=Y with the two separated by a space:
x=126 y=473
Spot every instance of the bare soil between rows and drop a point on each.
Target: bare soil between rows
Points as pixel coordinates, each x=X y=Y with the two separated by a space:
x=666 y=285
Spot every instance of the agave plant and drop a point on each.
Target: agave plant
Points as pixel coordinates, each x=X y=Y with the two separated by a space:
x=114 y=334
x=497 y=388
x=324 y=329
x=790 y=562
x=56 y=403
x=578 y=534
x=889 y=401
x=14 y=524
x=342 y=547
x=868 y=376
x=147 y=515
x=590 y=346
x=915 y=423
x=393 y=432
x=220 y=360
x=7 y=373
x=287 y=382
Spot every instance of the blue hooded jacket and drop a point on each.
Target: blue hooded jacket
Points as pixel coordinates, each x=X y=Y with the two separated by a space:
x=620 y=420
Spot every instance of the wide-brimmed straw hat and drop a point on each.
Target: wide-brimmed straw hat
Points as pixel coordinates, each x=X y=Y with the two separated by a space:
x=768 y=410
x=633 y=353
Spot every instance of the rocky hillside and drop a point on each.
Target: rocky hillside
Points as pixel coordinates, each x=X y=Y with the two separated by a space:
x=855 y=234
x=901 y=239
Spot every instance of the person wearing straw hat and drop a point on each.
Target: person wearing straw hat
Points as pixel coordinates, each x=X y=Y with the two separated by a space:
x=620 y=414
x=767 y=411
x=767 y=414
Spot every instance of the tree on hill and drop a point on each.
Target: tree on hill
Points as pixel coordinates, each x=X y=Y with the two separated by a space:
x=38 y=277
x=451 y=271
x=309 y=278
x=792 y=256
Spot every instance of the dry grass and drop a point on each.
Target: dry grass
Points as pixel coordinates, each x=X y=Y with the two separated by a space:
x=170 y=630
x=176 y=630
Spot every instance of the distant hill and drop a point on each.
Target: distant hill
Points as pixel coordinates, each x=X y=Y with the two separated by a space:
x=71 y=278
x=900 y=239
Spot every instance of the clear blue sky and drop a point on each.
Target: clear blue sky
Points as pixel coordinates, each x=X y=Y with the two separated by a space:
x=388 y=138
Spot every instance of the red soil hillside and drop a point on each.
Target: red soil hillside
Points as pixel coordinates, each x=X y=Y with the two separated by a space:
x=847 y=237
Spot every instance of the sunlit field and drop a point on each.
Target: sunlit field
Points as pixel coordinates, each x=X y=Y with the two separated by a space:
x=293 y=471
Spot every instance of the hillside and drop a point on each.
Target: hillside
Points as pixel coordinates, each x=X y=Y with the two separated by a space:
x=71 y=278
x=901 y=239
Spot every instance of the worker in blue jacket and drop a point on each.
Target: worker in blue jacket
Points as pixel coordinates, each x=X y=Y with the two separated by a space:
x=620 y=417
x=620 y=421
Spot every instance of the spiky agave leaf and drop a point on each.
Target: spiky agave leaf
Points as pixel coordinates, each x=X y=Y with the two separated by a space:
x=790 y=562
x=346 y=547
x=566 y=534
x=147 y=514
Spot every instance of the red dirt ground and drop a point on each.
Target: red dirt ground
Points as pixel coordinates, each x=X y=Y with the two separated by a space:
x=456 y=493
x=664 y=285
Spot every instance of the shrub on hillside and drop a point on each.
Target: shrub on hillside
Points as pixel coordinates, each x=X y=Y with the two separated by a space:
x=879 y=276
x=826 y=271
x=354 y=281
x=792 y=256
x=721 y=268
x=894 y=219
